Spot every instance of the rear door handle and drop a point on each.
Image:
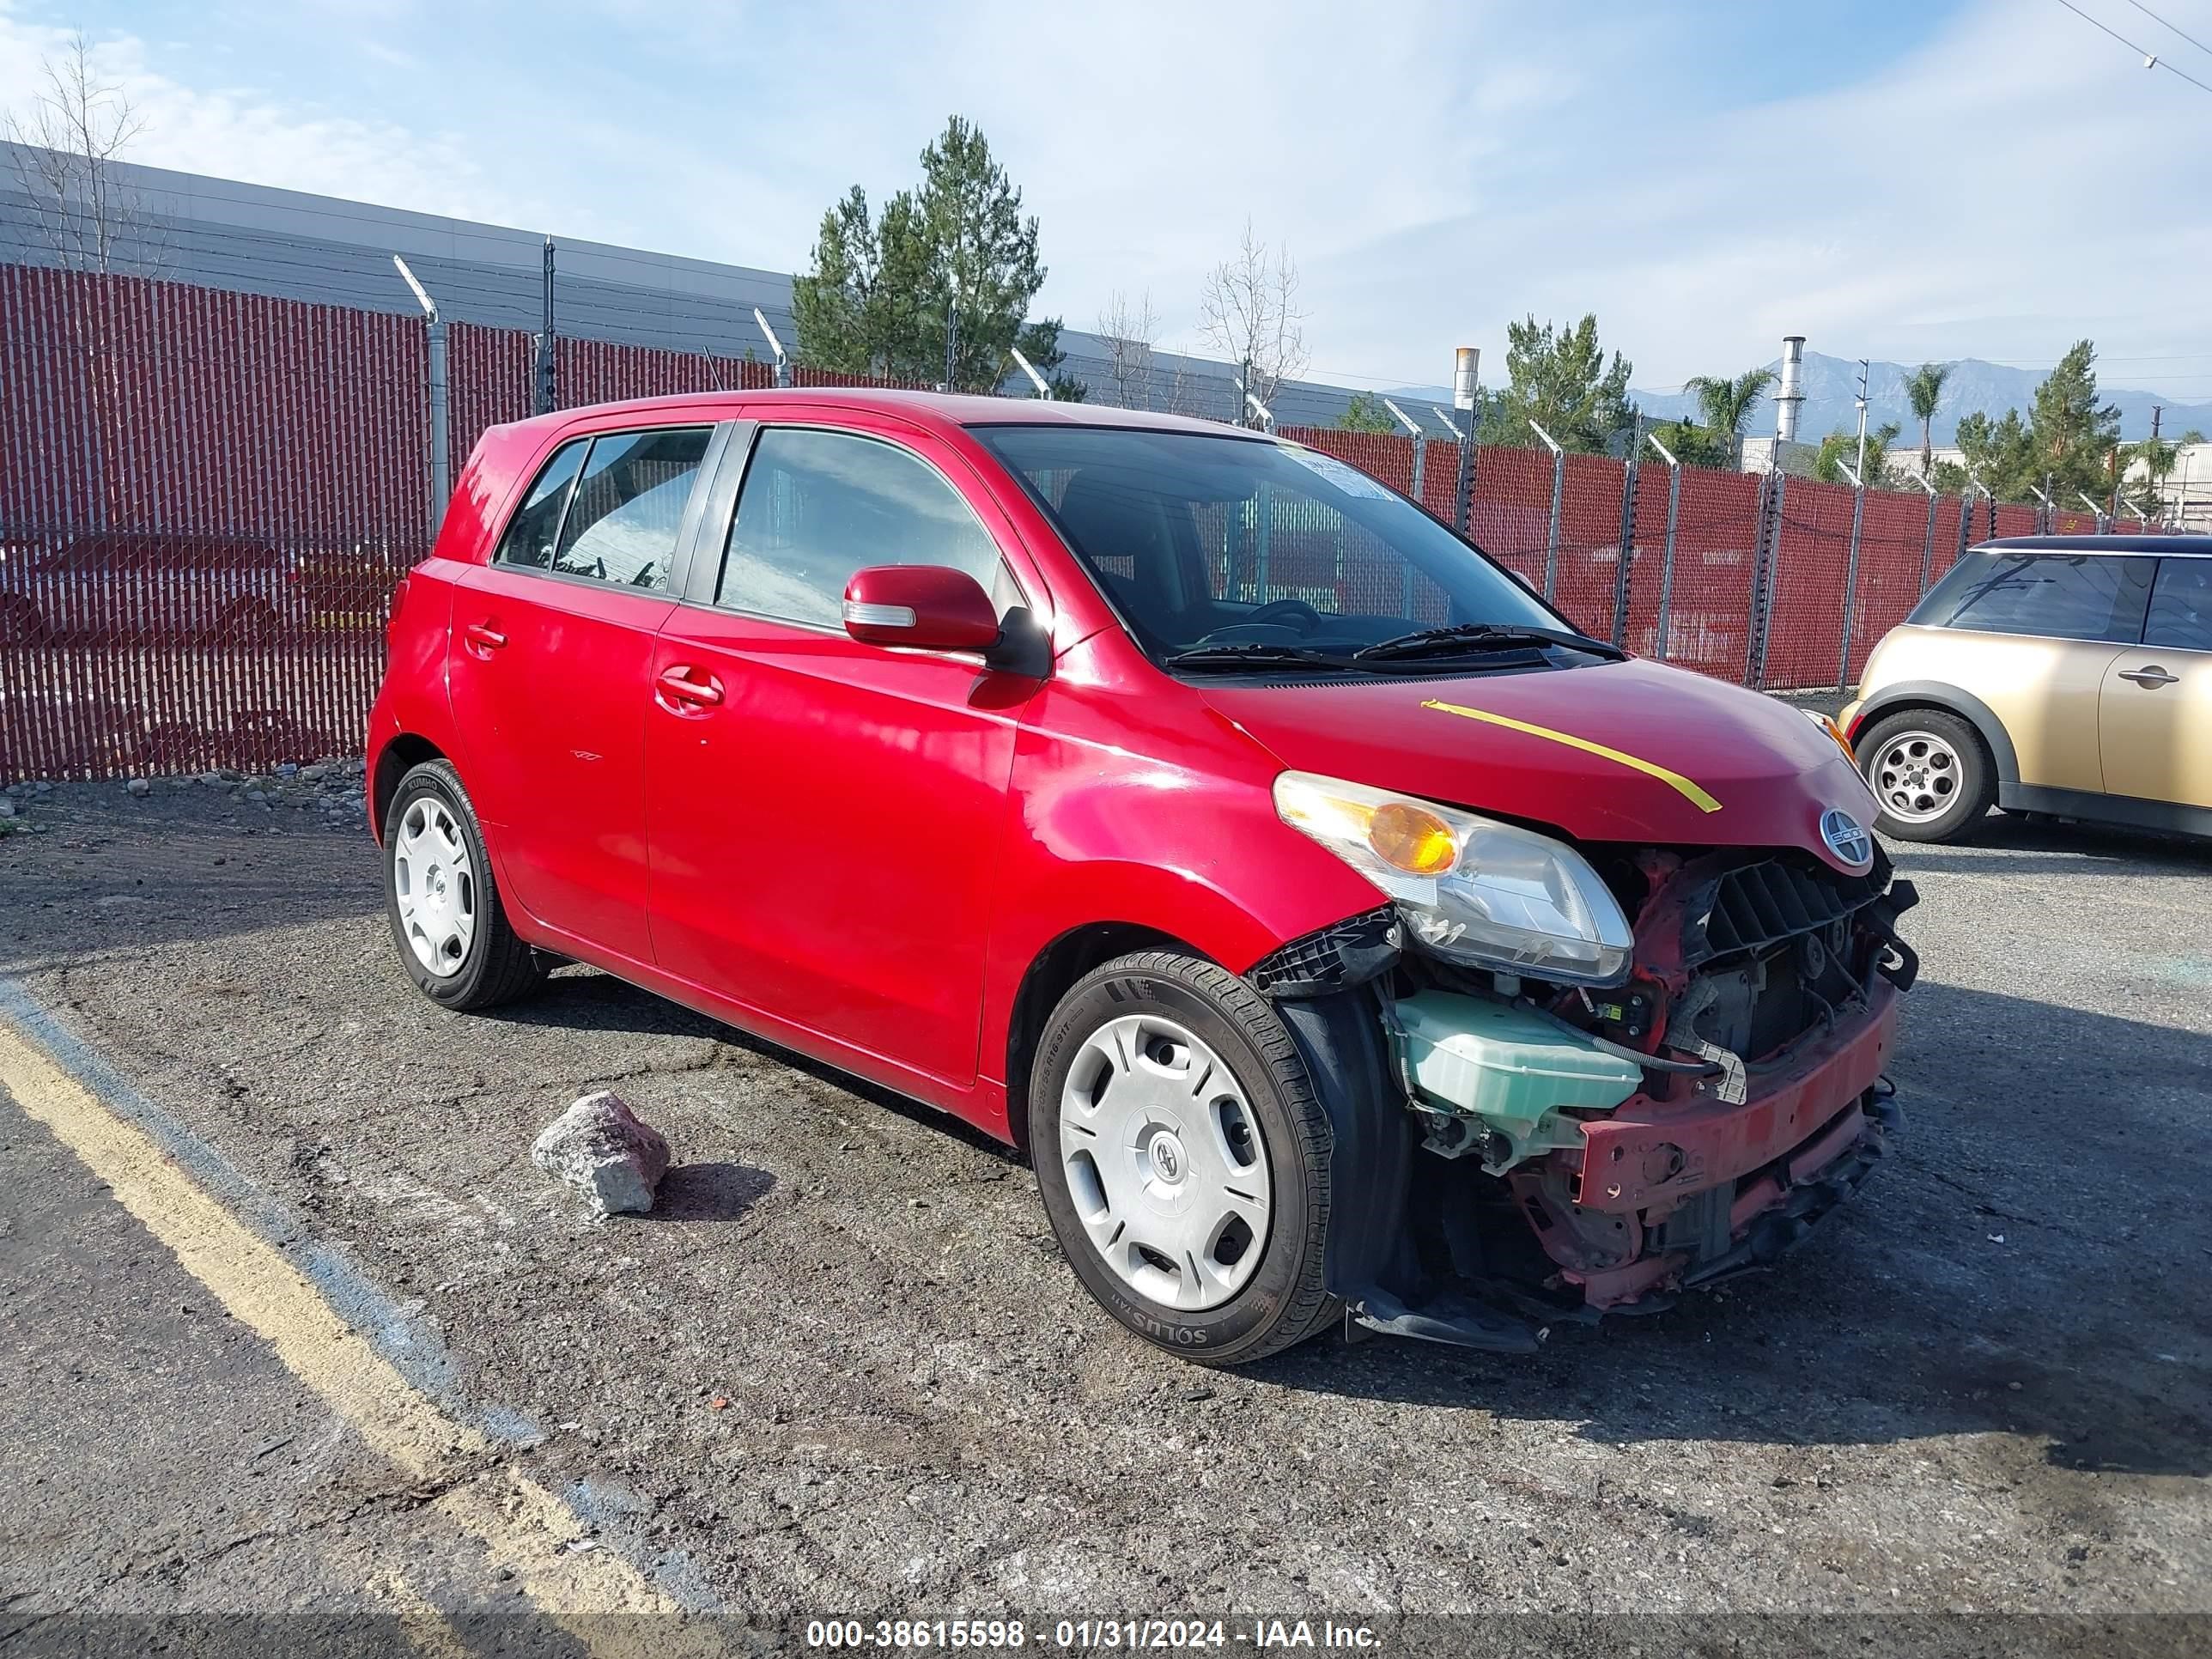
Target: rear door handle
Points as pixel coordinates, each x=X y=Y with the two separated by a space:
x=484 y=637
x=677 y=685
x=2151 y=677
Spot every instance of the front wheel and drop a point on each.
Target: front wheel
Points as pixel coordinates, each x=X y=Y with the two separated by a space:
x=443 y=901
x=1183 y=1159
x=1930 y=773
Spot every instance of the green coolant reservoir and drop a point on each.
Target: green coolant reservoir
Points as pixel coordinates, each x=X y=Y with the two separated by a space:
x=1510 y=1068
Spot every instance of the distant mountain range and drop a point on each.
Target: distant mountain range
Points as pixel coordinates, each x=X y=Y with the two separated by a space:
x=1832 y=387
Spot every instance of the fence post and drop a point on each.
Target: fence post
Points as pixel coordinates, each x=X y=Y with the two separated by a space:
x=441 y=455
x=543 y=402
x=1762 y=576
x=1966 y=523
x=1667 y=559
x=1420 y=466
x=1927 y=545
x=1626 y=551
x=1464 y=511
x=1851 y=586
x=1552 y=532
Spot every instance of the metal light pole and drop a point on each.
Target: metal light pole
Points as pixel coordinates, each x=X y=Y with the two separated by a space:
x=1552 y=533
x=1666 y=558
x=441 y=458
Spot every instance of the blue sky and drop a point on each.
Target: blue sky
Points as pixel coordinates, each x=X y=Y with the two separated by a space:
x=1950 y=178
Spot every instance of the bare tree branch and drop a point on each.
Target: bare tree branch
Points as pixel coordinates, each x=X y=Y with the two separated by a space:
x=66 y=153
x=1249 y=312
x=1129 y=331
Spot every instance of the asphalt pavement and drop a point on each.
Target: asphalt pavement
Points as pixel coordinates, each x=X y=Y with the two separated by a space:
x=842 y=1370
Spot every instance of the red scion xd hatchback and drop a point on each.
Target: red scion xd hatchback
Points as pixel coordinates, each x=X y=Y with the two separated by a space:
x=1341 y=934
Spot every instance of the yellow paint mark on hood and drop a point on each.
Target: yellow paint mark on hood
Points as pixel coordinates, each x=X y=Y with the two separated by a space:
x=1675 y=780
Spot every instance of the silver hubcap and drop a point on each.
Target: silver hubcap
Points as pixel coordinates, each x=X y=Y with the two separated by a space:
x=1916 y=776
x=1165 y=1164
x=435 y=885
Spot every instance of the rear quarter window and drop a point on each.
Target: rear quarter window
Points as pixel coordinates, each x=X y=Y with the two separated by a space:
x=2068 y=596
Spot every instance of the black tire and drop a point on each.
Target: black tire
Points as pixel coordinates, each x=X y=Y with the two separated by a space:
x=498 y=966
x=1962 y=773
x=1284 y=1301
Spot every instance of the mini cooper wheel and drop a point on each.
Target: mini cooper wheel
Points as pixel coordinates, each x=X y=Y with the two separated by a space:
x=1183 y=1160
x=1930 y=773
x=442 y=900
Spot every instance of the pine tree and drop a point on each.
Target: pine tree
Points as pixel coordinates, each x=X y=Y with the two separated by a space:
x=1560 y=380
x=955 y=252
x=2073 y=433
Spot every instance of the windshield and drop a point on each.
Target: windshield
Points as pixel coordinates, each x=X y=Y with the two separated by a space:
x=1230 y=546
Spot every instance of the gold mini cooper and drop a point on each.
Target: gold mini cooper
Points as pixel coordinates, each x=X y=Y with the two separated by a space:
x=2070 y=675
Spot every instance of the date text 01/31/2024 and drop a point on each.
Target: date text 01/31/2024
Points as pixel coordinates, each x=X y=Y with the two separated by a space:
x=1087 y=1635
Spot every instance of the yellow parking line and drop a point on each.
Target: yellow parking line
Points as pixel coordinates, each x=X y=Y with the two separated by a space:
x=524 y=1528
x=427 y=1630
x=1675 y=780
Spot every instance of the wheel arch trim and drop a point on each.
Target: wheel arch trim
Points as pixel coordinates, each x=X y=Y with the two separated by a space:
x=1906 y=695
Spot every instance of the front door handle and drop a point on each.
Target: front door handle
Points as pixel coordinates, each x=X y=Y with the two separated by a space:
x=2151 y=677
x=484 y=637
x=677 y=685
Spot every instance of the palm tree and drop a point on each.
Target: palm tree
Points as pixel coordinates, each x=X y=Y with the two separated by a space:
x=1923 y=390
x=1726 y=405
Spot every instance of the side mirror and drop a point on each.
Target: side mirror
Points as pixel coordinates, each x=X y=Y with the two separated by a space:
x=925 y=605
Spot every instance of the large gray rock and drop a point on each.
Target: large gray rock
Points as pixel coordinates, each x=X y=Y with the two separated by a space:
x=606 y=1152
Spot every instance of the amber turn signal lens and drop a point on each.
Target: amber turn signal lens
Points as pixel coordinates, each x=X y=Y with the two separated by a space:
x=1419 y=842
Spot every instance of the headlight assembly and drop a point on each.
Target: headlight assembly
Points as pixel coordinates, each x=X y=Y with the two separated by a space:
x=1472 y=890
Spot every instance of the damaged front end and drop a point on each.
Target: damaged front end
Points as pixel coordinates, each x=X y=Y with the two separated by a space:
x=1555 y=1150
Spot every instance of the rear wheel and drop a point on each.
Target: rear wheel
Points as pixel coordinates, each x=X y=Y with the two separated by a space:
x=1930 y=773
x=1183 y=1160
x=443 y=901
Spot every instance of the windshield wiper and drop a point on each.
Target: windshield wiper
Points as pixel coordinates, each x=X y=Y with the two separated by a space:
x=1258 y=653
x=1471 y=637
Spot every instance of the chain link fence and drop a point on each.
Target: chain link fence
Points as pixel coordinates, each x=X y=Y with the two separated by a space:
x=207 y=498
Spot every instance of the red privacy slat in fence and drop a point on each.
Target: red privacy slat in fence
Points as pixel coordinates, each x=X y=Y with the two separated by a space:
x=1894 y=545
x=1804 y=640
x=156 y=406
x=2014 y=520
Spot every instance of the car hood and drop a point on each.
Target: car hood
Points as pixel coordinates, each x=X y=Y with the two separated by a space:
x=1626 y=752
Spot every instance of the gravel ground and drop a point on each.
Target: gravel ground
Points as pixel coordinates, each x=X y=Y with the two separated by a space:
x=842 y=1368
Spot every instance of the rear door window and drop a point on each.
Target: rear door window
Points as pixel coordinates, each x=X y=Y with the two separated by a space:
x=2078 y=596
x=535 y=526
x=2181 y=606
x=609 y=508
x=627 y=506
x=817 y=505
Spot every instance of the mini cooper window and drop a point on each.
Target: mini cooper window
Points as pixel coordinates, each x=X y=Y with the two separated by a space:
x=2181 y=606
x=818 y=506
x=2078 y=596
